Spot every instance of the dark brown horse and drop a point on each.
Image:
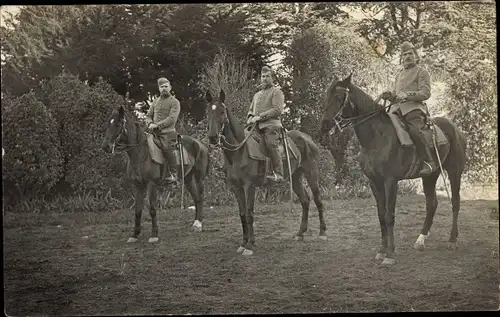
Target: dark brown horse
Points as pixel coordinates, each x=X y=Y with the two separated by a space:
x=126 y=135
x=385 y=162
x=245 y=173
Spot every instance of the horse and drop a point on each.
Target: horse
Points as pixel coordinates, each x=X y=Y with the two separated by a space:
x=245 y=173
x=126 y=135
x=385 y=161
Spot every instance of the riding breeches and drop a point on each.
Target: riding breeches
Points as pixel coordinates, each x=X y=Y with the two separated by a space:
x=168 y=143
x=420 y=133
x=272 y=137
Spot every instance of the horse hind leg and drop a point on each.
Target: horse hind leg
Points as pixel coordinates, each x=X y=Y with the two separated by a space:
x=298 y=188
x=195 y=188
x=312 y=177
x=431 y=203
x=455 y=181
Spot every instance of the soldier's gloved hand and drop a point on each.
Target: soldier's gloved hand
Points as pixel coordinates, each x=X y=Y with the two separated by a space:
x=386 y=95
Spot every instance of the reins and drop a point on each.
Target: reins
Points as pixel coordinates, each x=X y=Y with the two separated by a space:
x=225 y=143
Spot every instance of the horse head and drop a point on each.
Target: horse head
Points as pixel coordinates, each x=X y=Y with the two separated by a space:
x=115 y=134
x=338 y=104
x=217 y=116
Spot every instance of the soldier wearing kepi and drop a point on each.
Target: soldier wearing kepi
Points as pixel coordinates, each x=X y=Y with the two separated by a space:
x=266 y=108
x=411 y=88
x=161 y=118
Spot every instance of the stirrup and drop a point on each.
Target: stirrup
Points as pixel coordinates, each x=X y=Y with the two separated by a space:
x=276 y=178
x=429 y=169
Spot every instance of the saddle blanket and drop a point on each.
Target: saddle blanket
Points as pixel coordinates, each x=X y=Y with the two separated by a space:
x=257 y=147
x=157 y=153
x=404 y=136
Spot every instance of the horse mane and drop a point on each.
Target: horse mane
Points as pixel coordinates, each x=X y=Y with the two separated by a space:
x=363 y=99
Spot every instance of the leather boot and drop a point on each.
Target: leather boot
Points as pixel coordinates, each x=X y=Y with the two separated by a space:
x=277 y=166
x=172 y=167
x=429 y=164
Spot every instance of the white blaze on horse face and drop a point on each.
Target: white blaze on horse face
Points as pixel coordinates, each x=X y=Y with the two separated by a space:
x=214 y=107
x=112 y=120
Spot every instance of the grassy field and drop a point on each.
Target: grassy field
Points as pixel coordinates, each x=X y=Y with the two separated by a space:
x=74 y=264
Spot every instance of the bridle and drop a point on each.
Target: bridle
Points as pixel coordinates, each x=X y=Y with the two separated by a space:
x=123 y=133
x=221 y=138
x=342 y=123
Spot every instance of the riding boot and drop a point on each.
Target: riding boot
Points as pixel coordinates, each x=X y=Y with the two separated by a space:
x=429 y=164
x=172 y=164
x=277 y=166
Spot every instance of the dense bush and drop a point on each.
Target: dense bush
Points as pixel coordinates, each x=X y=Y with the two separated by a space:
x=80 y=112
x=33 y=163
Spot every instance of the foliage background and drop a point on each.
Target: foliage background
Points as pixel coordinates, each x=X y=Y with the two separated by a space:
x=64 y=68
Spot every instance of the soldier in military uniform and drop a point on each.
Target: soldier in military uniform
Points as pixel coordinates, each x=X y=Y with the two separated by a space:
x=411 y=88
x=161 y=118
x=266 y=108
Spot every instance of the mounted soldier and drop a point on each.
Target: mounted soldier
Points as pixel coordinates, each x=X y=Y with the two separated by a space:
x=265 y=110
x=161 y=119
x=411 y=88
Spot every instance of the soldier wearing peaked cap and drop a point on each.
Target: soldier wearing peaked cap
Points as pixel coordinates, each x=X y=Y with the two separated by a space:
x=411 y=88
x=161 y=119
x=265 y=110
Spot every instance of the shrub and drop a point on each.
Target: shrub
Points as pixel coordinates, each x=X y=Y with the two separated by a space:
x=33 y=162
x=80 y=111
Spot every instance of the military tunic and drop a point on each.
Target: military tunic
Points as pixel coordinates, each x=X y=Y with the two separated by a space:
x=416 y=83
x=268 y=104
x=165 y=112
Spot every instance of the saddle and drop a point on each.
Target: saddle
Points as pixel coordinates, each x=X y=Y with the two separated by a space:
x=257 y=149
x=406 y=141
x=156 y=152
x=404 y=136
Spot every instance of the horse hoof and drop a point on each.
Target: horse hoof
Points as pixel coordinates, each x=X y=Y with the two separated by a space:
x=388 y=261
x=240 y=249
x=380 y=256
x=419 y=246
x=131 y=240
x=153 y=240
x=197 y=226
x=452 y=246
x=324 y=238
x=247 y=252
x=299 y=238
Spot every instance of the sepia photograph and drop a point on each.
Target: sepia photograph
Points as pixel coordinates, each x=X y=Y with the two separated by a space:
x=249 y=158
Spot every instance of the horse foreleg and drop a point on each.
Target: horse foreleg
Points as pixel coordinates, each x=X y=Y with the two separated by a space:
x=431 y=203
x=391 y=188
x=140 y=191
x=250 y=199
x=304 y=201
x=153 y=197
x=240 y=198
x=379 y=194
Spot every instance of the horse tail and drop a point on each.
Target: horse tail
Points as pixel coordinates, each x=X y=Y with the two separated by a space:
x=458 y=142
x=307 y=147
x=202 y=160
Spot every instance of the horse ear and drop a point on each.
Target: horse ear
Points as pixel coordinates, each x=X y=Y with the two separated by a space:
x=208 y=96
x=222 y=95
x=349 y=78
x=121 y=112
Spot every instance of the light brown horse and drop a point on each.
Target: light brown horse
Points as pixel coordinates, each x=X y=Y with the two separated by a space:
x=384 y=161
x=245 y=173
x=126 y=135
